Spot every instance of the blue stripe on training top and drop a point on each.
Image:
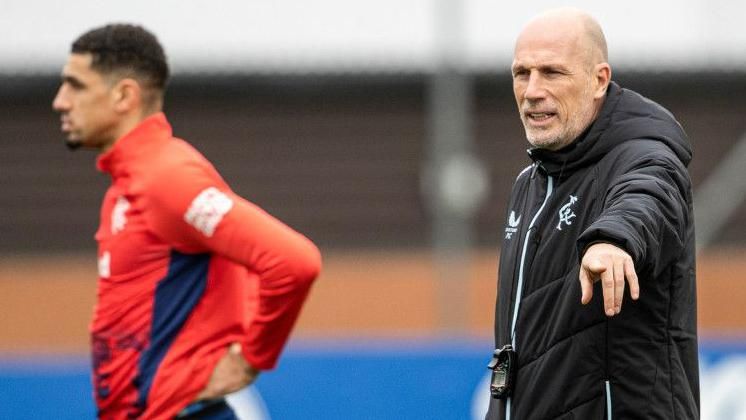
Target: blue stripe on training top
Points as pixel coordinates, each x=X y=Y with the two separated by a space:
x=176 y=295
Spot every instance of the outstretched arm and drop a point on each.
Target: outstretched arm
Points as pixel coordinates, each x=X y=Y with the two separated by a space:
x=641 y=228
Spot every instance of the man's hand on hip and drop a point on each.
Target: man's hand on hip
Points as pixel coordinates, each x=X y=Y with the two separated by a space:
x=611 y=265
x=231 y=373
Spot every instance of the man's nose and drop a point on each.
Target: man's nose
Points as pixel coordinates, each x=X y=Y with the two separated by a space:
x=535 y=86
x=60 y=102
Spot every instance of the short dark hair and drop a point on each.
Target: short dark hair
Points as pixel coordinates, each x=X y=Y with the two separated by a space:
x=125 y=48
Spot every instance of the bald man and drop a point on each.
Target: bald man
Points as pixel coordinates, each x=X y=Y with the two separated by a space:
x=596 y=308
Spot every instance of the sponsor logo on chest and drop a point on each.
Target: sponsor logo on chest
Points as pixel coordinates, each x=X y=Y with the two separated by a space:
x=512 y=227
x=119 y=215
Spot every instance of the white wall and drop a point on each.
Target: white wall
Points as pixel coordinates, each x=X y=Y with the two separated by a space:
x=366 y=35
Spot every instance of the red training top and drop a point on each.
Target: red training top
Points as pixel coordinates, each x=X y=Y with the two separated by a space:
x=186 y=267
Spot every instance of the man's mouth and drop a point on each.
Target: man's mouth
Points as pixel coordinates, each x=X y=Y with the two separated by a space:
x=539 y=117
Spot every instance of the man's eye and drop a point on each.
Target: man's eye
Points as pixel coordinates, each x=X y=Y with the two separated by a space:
x=73 y=83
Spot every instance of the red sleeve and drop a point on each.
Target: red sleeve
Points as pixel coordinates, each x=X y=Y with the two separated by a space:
x=194 y=209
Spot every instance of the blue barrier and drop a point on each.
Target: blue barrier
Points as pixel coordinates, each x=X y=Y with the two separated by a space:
x=45 y=388
x=333 y=380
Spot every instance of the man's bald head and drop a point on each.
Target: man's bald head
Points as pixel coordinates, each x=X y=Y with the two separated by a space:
x=574 y=24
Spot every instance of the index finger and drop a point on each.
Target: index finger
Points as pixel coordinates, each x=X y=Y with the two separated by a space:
x=607 y=283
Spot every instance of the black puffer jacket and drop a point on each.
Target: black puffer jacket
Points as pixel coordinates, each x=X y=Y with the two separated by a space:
x=624 y=182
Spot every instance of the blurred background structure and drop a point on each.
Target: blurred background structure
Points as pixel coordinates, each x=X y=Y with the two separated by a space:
x=387 y=132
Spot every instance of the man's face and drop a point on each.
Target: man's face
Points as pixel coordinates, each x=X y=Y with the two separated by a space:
x=85 y=102
x=553 y=86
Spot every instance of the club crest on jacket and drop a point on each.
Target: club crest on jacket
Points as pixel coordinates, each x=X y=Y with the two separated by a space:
x=566 y=214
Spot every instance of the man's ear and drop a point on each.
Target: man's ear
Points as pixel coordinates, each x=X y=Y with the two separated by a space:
x=602 y=75
x=127 y=95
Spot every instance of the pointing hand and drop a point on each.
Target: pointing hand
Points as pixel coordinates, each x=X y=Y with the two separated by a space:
x=611 y=265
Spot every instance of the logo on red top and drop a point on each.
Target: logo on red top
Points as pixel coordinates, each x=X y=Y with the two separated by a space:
x=119 y=215
x=207 y=210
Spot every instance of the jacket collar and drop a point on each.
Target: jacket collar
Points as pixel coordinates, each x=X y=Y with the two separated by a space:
x=586 y=148
x=153 y=129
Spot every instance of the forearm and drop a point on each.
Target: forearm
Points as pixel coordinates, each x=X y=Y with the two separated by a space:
x=286 y=264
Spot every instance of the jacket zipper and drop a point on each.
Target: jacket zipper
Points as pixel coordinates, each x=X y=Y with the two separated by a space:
x=519 y=291
x=608 y=400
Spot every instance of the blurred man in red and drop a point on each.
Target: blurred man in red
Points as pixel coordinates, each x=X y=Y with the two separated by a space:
x=198 y=288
